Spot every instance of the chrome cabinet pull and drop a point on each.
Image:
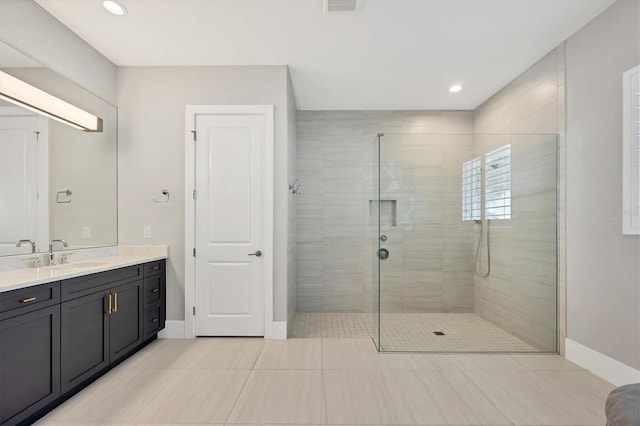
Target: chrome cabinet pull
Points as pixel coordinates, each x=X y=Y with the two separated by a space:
x=28 y=299
x=155 y=290
x=155 y=268
x=155 y=320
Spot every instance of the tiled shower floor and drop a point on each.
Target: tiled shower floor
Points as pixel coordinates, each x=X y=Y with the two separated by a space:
x=463 y=332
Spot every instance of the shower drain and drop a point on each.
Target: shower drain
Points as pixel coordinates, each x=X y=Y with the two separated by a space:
x=438 y=333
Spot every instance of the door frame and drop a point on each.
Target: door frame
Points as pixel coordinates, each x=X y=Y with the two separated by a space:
x=192 y=111
x=42 y=237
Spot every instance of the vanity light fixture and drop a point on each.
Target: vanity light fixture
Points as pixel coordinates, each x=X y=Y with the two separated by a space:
x=27 y=96
x=114 y=7
x=455 y=88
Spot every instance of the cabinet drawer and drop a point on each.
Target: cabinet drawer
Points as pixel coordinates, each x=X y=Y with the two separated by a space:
x=153 y=289
x=153 y=268
x=88 y=284
x=152 y=320
x=17 y=302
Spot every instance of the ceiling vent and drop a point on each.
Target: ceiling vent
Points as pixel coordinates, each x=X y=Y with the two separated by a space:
x=341 y=6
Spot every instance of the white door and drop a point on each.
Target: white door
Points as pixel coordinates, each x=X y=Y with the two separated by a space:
x=229 y=225
x=18 y=182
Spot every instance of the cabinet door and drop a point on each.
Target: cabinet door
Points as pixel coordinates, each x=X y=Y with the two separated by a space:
x=85 y=338
x=29 y=363
x=126 y=320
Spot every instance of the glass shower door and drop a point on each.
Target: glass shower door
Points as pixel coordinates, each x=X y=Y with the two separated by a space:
x=372 y=304
x=464 y=242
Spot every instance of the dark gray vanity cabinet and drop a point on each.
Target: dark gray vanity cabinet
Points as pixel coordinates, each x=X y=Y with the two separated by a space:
x=102 y=326
x=29 y=351
x=57 y=337
x=154 y=298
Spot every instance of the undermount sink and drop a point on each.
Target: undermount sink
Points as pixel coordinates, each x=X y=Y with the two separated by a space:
x=64 y=266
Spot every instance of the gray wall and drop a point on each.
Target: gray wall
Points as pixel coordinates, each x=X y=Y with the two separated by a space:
x=334 y=266
x=520 y=293
x=151 y=131
x=30 y=29
x=529 y=104
x=603 y=266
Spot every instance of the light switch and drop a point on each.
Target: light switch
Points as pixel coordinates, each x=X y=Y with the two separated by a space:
x=86 y=232
x=147 y=232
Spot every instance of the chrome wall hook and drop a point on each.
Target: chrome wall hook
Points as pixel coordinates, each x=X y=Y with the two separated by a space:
x=165 y=193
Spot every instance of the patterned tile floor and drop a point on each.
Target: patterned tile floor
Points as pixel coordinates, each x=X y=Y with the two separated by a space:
x=463 y=332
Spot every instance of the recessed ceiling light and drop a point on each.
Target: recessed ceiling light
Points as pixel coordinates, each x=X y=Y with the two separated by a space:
x=455 y=88
x=114 y=7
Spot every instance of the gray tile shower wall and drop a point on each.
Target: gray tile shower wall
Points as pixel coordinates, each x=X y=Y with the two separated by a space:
x=429 y=269
x=520 y=294
x=291 y=200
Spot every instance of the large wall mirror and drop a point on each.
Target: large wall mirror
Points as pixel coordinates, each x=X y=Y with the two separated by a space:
x=57 y=180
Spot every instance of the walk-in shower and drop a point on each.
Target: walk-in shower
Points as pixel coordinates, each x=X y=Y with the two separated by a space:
x=462 y=231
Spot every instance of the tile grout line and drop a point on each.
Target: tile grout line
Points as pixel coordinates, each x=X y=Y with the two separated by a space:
x=321 y=384
x=251 y=370
x=472 y=383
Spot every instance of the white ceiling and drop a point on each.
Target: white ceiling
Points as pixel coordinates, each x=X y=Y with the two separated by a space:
x=393 y=54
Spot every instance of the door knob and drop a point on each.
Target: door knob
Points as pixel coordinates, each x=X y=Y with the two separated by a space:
x=383 y=254
x=258 y=253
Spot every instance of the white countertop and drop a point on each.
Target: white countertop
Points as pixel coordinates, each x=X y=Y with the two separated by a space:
x=23 y=278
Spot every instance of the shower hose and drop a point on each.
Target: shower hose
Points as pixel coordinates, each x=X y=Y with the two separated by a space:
x=475 y=262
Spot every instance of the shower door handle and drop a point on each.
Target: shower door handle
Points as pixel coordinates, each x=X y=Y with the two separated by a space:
x=383 y=254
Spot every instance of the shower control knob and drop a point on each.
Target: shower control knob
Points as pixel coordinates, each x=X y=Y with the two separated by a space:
x=383 y=254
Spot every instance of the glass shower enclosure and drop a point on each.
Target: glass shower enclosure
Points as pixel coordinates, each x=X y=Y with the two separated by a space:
x=463 y=242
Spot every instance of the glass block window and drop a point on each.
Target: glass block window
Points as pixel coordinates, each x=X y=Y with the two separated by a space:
x=471 y=182
x=497 y=183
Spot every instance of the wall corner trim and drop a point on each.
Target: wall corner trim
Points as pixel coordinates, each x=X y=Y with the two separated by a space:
x=277 y=330
x=600 y=364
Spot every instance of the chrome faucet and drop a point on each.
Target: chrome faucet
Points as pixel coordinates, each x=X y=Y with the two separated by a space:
x=33 y=245
x=64 y=243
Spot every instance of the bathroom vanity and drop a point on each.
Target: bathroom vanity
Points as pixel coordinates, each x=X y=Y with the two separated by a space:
x=62 y=327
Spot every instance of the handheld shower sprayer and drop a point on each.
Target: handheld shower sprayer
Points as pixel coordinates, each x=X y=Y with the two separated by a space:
x=479 y=246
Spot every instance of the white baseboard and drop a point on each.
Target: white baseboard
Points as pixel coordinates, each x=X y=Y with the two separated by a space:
x=601 y=365
x=277 y=331
x=175 y=330
x=172 y=330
